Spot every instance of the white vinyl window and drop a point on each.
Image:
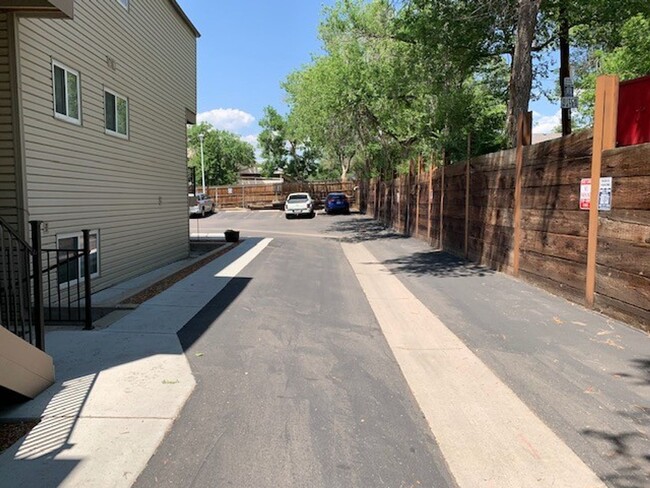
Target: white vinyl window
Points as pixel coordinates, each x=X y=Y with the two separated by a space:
x=66 y=93
x=70 y=269
x=116 y=110
x=124 y=3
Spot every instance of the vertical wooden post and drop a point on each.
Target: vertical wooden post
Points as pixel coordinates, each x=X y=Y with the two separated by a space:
x=605 y=118
x=417 y=199
x=442 y=201
x=430 y=199
x=467 y=173
x=397 y=220
x=524 y=125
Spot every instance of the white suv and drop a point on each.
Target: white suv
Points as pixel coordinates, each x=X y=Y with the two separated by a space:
x=299 y=204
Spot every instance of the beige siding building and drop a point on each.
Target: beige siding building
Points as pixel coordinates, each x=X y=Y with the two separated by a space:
x=93 y=121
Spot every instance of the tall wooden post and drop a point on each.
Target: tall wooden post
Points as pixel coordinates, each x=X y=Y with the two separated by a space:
x=524 y=125
x=467 y=173
x=605 y=118
x=417 y=199
x=442 y=201
x=430 y=199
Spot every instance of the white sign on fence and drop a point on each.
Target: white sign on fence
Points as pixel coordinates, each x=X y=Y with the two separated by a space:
x=604 y=194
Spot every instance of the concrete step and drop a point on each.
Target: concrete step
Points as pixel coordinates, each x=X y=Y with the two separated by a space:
x=24 y=369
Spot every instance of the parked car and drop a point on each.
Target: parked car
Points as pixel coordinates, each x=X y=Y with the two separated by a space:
x=200 y=204
x=337 y=203
x=299 y=204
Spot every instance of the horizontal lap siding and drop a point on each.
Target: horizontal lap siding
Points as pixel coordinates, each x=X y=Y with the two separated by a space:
x=134 y=191
x=8 y=181
x=623 y=255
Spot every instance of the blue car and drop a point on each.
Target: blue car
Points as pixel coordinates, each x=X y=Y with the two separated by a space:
x=337 y=203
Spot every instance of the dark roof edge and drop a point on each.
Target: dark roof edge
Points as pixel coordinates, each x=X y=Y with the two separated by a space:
x=185 y=18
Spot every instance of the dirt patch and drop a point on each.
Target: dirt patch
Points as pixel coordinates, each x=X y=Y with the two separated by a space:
x=165 y=283
x=12 y=432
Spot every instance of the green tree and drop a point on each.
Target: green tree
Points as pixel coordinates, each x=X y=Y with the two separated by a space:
x=283 y=149
x=224 y=153
x=630 y=58
x=272 y=141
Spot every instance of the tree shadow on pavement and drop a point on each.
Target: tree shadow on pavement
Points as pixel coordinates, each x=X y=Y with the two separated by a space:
x=629 y=462
x=436 y=263
x=629 y=451
x=642 y=378
x=363 y=230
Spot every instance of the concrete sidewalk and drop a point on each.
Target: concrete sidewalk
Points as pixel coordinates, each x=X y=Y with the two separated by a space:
x=118 y=390
x=584 y=375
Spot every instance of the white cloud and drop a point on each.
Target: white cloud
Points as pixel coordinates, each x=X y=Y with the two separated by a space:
x=546 y=124
x=251 y=139
x=230 y=119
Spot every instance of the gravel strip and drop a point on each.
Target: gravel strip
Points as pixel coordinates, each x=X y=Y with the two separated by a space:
x=10 y=433
x=165 y=283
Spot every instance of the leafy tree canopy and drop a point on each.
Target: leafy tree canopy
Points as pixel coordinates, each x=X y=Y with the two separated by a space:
x=400 y=79
x=224 y=154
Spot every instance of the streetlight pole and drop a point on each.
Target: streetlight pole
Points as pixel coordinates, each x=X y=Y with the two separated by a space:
x=201 y=136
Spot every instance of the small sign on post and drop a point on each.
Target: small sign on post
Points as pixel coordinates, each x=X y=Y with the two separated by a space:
x=569 y=102
x=568 y=98
x=585 y=194
x=604 y=194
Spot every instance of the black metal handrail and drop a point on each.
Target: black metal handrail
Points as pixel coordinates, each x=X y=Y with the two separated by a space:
x=21 y=285
x=69 y=298
x=23 y=295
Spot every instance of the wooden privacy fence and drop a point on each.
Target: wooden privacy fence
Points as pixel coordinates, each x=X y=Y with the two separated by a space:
x=518 y=211
x=269 y=195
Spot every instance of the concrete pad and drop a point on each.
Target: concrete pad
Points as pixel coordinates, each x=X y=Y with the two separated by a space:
x=188 y=298
x=487 y=435
x=63 y=452
x=113 y=375
x=155 y=319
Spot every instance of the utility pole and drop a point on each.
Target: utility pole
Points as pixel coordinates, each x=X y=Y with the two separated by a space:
x=201 y=136
x=565 y=70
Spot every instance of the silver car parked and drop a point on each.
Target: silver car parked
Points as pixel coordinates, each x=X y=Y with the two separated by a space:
x=200 y=204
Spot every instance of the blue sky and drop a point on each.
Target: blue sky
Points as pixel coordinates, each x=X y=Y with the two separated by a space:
x=248 y=47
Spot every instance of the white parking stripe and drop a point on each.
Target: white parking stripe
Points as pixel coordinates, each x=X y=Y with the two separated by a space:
x=487 y=435
x=236 y=267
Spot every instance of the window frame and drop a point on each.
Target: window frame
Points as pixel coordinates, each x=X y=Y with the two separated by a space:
x=97 y=251
x=66 y=70
x=115 y=133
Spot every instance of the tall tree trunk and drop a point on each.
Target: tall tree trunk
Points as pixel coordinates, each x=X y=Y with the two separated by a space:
x=565 y=69
x=345 y=167
x=521 y=74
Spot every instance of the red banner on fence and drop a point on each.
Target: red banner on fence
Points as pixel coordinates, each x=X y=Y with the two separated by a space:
x=634 y=112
